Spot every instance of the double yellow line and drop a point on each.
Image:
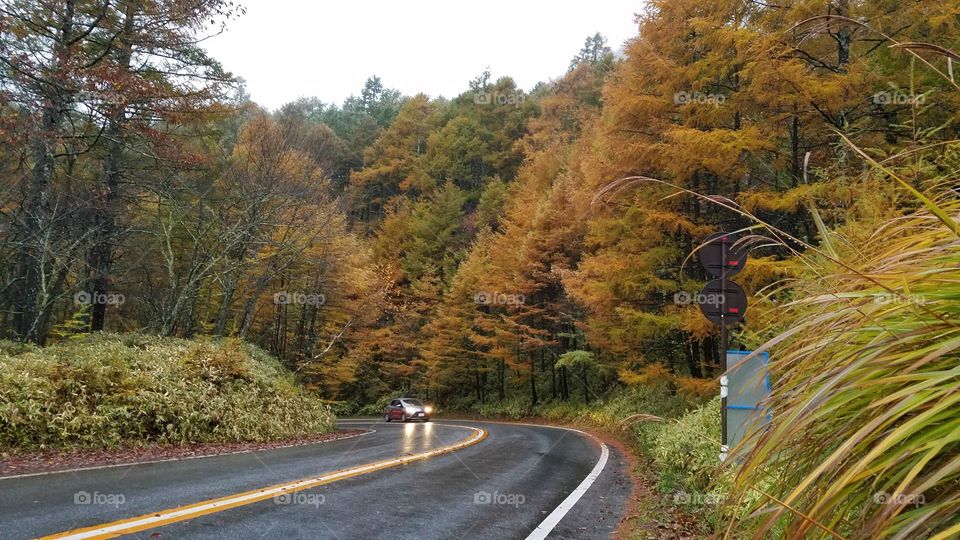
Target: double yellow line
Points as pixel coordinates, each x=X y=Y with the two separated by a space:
x=211 y=506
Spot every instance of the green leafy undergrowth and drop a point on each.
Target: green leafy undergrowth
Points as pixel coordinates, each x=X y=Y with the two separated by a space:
x=108 y=390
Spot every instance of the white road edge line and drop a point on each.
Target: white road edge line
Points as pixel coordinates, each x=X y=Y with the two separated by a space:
x=551 y=521
x=547 y=525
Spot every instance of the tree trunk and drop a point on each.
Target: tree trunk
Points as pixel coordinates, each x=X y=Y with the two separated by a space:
x=476 y=378
x=553 y=381
x=693 y=357
x=501 y=376
x=533 y=381
x=711 y=353
x=843 y=48
x=586 y=390
x=483 y=387
x=36 y=204
x=795 y=147
x=100 y=256
x=226 y=299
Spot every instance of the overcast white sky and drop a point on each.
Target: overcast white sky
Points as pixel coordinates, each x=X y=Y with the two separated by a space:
x=291 y=48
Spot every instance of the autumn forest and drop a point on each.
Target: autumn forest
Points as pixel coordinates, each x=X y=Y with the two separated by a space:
x=474 y=246
x=457 y=248
x=523 y=246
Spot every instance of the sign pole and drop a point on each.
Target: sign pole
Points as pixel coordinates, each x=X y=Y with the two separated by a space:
x=723 y=355
x=722 y=260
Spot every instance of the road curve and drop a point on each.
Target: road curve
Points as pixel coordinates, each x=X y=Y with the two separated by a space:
x=516 y=478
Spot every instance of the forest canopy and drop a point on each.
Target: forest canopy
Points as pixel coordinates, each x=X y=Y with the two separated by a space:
x=462 y=249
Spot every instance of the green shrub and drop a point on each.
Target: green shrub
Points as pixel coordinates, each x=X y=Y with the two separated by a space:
x=106 y=390
x=687 y=449
x=341 y=408
x=373 y=409
x=606 y=411
x=8 y=347
x=514 y=407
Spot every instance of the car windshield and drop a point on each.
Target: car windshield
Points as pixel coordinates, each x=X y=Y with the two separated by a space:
x=414 y=402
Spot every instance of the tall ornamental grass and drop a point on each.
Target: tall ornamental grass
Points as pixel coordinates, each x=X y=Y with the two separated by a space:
x=865 y=434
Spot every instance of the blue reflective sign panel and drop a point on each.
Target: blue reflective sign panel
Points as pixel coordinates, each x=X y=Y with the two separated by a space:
x=748 y=385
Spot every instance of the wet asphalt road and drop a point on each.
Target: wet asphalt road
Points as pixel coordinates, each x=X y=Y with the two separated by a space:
x=502 y=487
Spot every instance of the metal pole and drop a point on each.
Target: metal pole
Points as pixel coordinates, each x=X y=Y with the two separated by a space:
x=723 y=349
x=723 y=399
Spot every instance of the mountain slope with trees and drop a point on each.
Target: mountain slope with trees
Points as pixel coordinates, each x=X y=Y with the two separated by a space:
x=519 y=251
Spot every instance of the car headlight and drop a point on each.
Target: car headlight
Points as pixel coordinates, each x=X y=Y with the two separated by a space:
x=410 y=410
x=428 y=409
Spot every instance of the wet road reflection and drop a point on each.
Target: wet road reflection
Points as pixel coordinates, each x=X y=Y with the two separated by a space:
x=427 y=436
x=409 y=434
x=417 y=437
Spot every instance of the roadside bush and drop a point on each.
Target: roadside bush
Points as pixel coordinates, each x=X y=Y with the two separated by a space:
x=106 y=390
x=341 y=408
x=606 y=411
x=15 y=347
x=514 y=407
x=373 y=409
x=687 y=449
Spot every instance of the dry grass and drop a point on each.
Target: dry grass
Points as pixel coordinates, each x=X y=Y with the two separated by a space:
x=865 y=437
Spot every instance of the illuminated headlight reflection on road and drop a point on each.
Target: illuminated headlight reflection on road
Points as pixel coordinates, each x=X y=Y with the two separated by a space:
x=408 y=438
x=427 y=438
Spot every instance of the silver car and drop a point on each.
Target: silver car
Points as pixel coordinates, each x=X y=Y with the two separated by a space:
x=404 y=409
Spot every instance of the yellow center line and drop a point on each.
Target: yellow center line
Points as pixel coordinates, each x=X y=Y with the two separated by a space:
x=211 y=506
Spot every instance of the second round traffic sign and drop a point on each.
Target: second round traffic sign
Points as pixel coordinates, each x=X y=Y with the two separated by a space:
x=724 y=302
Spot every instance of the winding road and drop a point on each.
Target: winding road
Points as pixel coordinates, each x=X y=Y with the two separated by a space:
x=446 y=479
